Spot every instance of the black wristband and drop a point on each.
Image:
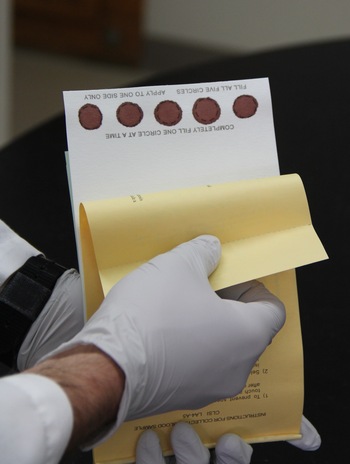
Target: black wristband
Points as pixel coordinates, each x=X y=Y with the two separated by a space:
x=22 y=298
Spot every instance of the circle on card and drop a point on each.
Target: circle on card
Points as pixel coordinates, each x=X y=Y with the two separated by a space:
x=168 y=113
x=129 y=114
x=245 y=106
x=206 y=110
x=90 y=116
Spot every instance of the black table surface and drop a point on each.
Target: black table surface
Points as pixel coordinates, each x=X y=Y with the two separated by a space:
x=310 y=88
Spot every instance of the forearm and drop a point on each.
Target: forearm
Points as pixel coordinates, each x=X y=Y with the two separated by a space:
x=94 y=385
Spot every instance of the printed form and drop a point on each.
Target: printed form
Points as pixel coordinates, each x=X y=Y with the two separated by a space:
x=151 y=167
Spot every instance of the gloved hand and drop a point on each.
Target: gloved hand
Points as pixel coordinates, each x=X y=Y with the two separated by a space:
x=188 y=448
x=179 y=344
x=63 y=314
x=230 y=448
x=61 y=318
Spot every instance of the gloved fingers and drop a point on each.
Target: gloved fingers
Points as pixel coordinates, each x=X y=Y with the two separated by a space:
x=258 y=317
x=148 y=449
x=262 y=305
x=231 y=449
x=202 y=254
x=235 y=292
x=187 y=446
x=248 y=292
x=310 y=440
x=183 y=271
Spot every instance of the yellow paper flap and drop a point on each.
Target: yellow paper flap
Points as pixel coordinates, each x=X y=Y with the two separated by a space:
x=92 y=284
x=264 y=226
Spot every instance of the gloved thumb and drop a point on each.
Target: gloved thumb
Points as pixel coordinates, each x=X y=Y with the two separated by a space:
x=310 y=439
x=202 y=254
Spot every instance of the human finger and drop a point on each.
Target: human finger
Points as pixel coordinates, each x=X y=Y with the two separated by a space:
x=231 y=449
x=187 y=446
x=148 y=449
x=310 y=439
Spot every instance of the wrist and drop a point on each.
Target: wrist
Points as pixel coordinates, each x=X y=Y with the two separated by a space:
x=94 y=385
x=22 y=298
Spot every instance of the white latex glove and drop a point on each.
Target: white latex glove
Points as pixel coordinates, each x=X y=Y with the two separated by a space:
x=310 y=439
x=230 y=448
x=188 y=448
x=179 y=344
x=62 y=316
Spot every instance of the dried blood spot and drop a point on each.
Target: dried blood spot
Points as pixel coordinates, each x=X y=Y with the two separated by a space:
x=168 y=113
x=245 y=106
x=206 y=110
x=129 y=114
x=90 y=116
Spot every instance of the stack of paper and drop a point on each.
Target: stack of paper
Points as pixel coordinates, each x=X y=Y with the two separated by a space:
x=153 y=167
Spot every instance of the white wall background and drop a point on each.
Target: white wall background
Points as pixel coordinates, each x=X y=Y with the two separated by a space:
x=247 y=25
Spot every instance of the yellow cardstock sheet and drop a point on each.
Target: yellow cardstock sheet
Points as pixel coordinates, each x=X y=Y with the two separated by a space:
x=265 y=229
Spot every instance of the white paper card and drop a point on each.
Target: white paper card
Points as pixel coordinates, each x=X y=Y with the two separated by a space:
x=148 y=139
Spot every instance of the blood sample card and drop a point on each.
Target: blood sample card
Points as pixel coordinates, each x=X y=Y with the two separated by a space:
x=148 y=139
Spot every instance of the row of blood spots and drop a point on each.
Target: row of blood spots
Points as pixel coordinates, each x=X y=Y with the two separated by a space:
x=168 y=112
